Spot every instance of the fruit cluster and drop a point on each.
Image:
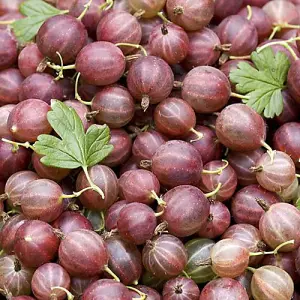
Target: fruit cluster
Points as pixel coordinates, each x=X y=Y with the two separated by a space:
x=149 y=149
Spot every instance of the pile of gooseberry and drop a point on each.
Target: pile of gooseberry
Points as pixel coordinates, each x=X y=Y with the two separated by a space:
x=201 y=199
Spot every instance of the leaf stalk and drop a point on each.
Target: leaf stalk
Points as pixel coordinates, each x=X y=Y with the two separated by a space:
x=107 y=5
x=250 y=13
x=86 y=8
x=199 y=135
x=16 y=144
x=134 y=46
x=76 y=194
x=208 y=195
x=143 y=295
x=91 y=183
x=217 y=171
x=239 y=96
x=7 y=22
x=163 y=17
x=111 y=273
x=77 y=96
x=275 y=251
x=69 y=295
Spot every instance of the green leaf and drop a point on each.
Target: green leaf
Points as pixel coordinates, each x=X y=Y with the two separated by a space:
x=37 y=12
x=96 y=137
x=275 y=105
x=26 y=29
x=297 y=204
x=67 y=124
x=56 y=154
x=37 y=8
x=74 y=148
x=264 y=83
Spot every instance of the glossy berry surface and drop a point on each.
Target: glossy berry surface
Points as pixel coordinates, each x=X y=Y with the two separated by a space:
x=169 y=164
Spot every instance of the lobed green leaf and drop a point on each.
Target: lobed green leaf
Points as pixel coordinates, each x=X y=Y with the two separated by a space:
x=263 y=83
x=37 y=8
x=67 y=124
x=55 y=153
x=96 y=140
x=26 y=29
x=74 y=148
x=36 y=12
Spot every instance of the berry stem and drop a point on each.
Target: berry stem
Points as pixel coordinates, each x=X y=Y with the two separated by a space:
x=159 y=200
x=61 y=68
x=134 y=46
x=217 y=171
x=163 y=17
x=143 y=295
x=132 y=57
x=291 y=40
x=223 y=47
x=275 y=30
x=69 y=295
x=63 y=12
x=266 y=146
x=76 y=194
x=60 y=74
x=269 y=150
x=110 y=272
x=58 y=68
x=137 y=130
x=199 y=135
x=291 y=242
x=161 y=228
x=90 y=115
x=91 y=183
x=77 y=96
x=240 y=57
x=250 y=13
x=293 y=53
x=223 y=58
x=287 y=26
x=7 y=22
x=159 y=214
x=239 y=96
x=185 y=274
x=275 y=251
x=207 y=195
x=107 y=5
x=86 y=8
x=17 y=145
